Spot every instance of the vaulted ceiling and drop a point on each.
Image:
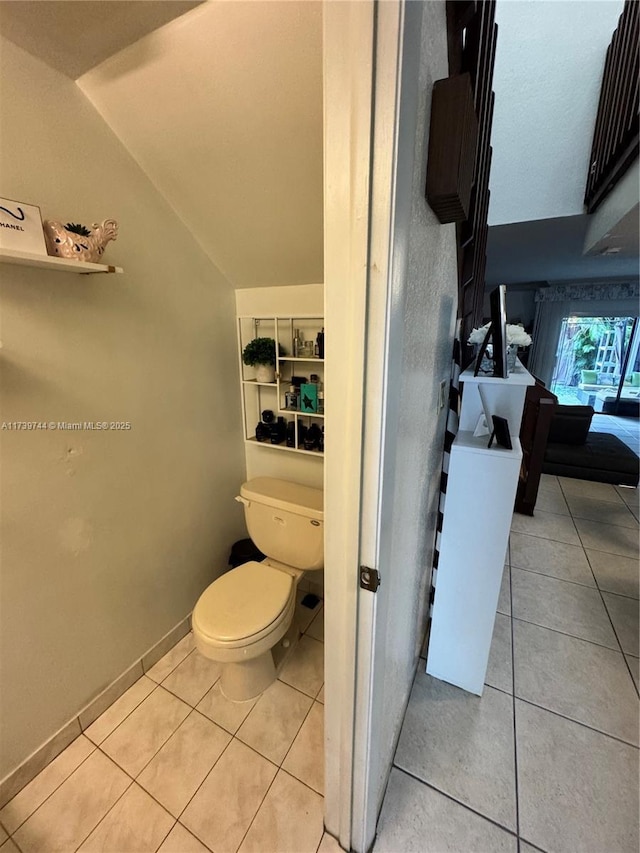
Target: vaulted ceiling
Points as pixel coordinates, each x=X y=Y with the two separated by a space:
x=221 y=107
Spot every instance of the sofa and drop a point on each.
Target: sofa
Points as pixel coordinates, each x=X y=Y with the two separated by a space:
x=573 y=451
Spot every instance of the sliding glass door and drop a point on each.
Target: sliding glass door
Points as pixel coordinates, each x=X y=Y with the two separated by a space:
x=598 y=364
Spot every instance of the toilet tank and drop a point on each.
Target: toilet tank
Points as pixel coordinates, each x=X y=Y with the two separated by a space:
x=285 y=521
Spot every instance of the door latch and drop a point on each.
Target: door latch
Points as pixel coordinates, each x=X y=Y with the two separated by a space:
x=369 y=578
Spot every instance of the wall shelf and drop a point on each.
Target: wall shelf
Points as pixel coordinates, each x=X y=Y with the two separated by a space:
x=10 y=256
x=258 y=396
x=254 y=440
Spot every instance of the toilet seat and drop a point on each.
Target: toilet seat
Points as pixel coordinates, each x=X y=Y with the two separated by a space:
x=244 y=605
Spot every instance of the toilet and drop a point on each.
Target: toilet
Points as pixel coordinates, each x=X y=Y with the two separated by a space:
x=244 y=614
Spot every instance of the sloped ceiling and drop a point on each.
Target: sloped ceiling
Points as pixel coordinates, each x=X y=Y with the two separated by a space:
x=74 y=37
x=222 y=108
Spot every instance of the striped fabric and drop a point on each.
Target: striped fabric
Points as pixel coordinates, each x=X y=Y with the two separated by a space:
x=450 y=434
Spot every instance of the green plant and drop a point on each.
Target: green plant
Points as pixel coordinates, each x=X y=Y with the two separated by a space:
x=260 y=351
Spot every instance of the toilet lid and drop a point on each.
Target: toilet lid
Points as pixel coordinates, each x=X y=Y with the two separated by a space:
x=243 y=602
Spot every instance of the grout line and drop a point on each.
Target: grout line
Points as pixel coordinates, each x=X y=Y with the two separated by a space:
x=454 y=799
x=555 y=577
x=548 y=538
x=54 y=790
x=513 y=708
x=577 y=722
x=565 y=633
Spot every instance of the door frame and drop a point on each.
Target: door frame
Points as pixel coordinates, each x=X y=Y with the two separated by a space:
x=348 y=32
x=362 y=55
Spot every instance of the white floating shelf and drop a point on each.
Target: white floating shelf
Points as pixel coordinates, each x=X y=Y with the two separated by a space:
x=299 y=413
x=287 y=358
x=255 y=382
x=9 y=256
x=317 y=453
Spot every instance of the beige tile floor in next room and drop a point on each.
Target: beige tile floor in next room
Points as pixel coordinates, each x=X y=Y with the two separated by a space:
x=547 y=759
x=174 y=767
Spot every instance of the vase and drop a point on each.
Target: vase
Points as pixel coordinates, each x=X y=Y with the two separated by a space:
x=512 y=354
x=486 y=365
x=78 y=241
x=265 y=373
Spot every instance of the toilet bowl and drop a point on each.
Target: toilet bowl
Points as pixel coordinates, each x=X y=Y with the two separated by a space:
x=242 y=615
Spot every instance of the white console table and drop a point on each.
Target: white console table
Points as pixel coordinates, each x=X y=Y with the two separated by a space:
x=481 y=490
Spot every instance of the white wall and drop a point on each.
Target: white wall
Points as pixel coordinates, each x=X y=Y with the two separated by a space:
x=548 y=70
x=107 y=537
x=222 y=108
x=263 y=460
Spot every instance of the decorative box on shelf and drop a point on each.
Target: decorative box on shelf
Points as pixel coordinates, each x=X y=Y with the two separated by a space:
x=21 y=228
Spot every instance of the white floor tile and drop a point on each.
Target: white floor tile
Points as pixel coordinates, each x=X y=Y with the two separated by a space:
x=222 y=810
x=634 y=666
x=547 y=525
x=290 y=820
x=329 y=844
x=316 y=628
x=417 y=819
x=616 y=574
x=556 y=559
x=305 y=759
x=499 y=669
x=275 y=720
x=64 y=820
x=136 y=824
x=192 y=678
x=466 y=748
x=562 y=606
x=230 y=715
x=606 y=537
x=604 y=512
x=551 y=501
x=45 y=783
x=597 y=491
x=504 y=600
x=588 y=683
x=140 y=736
x=624 y=615
x=175 y=773
x=180 y=840
x=304 y=670
x=120 y=710
x=160 y=670
x=578 y=789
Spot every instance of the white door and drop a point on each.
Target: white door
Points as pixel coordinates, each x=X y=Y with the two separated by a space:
x=391 y=329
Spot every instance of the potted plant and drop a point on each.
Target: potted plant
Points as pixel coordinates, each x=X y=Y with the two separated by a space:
x=261 y=354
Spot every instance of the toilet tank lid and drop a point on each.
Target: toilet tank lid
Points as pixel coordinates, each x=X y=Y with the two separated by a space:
x=281 y=494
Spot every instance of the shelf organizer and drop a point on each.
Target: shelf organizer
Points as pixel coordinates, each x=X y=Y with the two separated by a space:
x=258 y=396
x=11 y=256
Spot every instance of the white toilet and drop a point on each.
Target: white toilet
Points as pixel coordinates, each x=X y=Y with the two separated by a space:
x=243 y=614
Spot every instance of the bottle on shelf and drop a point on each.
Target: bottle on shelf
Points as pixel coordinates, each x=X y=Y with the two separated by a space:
x=298 y=342
x=291 y=399
x=320 y=344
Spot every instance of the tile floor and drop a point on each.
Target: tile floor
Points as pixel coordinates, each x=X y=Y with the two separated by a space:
x=172 y=766
x=547 y=759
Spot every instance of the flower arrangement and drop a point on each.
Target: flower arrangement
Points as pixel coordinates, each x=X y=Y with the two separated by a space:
x=516 y=335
